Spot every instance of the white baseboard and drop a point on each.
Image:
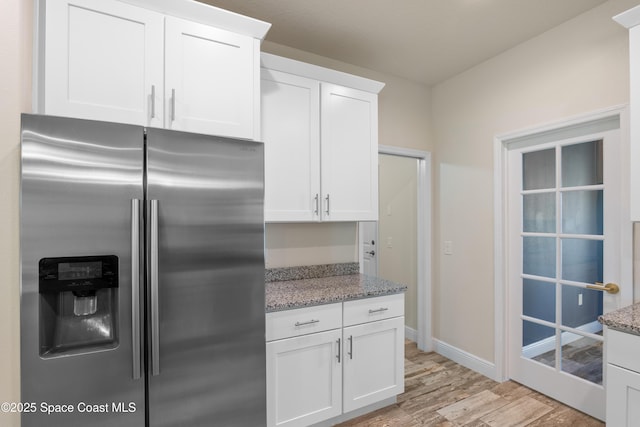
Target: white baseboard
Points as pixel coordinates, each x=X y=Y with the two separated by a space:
x=467 y=360
x=410 y=334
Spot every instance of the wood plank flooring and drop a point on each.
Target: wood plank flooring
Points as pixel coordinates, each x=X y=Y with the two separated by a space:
x=439 y=392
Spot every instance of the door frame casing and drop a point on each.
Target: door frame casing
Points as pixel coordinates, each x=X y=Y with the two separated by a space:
x=424 y=255
x=501 y=234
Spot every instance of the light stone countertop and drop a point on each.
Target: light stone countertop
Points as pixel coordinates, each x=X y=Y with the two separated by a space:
x=290 y=294
x=626 y=319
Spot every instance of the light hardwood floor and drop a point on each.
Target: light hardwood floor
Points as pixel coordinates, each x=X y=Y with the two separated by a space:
x=439 y=392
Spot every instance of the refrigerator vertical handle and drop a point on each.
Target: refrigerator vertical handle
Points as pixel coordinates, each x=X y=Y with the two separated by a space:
x=153 y=276
x=135 y=287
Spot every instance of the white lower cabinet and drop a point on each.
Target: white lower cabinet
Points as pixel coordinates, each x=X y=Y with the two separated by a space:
x=304 y=379
x=623 y=397
x=329 y=360
x=373 y=362
x=623 y=378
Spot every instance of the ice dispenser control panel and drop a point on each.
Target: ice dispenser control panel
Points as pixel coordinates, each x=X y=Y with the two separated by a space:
x=78 y=310
x=79 y=274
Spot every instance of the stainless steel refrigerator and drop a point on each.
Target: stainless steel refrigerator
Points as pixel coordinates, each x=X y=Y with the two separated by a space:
x=142 y=277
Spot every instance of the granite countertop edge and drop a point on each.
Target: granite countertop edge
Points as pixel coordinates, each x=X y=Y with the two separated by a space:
x=293 y=294
x=626 y=319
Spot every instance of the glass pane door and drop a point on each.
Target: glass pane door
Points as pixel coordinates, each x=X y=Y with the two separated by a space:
x=564 y=236
x=562 y=253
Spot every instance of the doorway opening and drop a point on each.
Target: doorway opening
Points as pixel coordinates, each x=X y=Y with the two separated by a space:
x=397 y=246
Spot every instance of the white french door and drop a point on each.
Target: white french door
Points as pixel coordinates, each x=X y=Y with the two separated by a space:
x=564 y=206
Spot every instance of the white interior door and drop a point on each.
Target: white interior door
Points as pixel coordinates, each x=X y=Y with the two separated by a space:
x=564 y=206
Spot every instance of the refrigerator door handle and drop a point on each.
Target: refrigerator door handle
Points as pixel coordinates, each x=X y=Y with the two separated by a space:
x=135 y=286
x=153 y=276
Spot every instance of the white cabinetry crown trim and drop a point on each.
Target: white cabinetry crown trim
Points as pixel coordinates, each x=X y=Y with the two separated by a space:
x=207 y=14
x=278 y=63
x=629 y=18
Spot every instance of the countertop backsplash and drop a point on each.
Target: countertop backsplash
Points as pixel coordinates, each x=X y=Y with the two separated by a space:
x=310 y=271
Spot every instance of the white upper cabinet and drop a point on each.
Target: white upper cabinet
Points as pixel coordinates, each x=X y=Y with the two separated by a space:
x=320 y=129
x=631 y=20
x=291 y=125
x=212 y=79
x=103 y=60
x=349 y=161
x=150 y=63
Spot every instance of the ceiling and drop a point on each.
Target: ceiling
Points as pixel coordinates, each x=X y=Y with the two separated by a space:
x=424 y=41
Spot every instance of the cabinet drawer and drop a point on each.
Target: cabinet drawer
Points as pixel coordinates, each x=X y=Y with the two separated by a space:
x=623 y=349
x=372 y=309
x=302 y=321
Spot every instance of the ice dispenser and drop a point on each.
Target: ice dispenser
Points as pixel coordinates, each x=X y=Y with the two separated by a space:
x=78 y=304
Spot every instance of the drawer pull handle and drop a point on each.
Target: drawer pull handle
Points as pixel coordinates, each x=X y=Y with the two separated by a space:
x=339 y=355
x=350 y=347
x=378 y=310
x=310 y=322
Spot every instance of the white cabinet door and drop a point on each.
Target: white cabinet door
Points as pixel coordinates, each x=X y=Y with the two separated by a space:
x=304 y=379
x=212 y=82
x=349 y=163
x=634 y=126
x=103 y=61
x=373 y=362
x=623 y=397
x=291 y=135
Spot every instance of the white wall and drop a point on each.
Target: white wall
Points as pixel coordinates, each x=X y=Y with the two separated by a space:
x=578 y=67
x=404 y=109
x=15 y=97
x=310 y=244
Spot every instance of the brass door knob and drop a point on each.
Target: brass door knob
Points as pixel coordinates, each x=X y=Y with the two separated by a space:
x=611 y=288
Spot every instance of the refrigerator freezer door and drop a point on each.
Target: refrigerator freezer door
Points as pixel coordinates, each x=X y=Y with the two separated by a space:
x=209 y=368
x=79 y=180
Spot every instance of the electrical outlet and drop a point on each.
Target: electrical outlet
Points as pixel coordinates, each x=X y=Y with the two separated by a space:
x=580 y=299
x=389 y=242
x=448 y=247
